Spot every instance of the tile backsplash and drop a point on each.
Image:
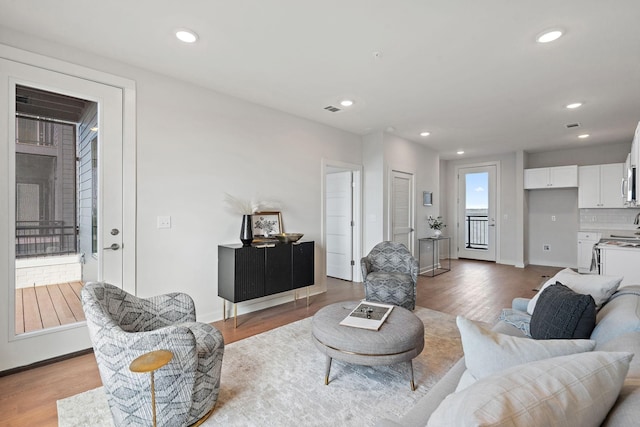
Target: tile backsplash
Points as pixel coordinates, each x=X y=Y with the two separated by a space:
x=608 y=219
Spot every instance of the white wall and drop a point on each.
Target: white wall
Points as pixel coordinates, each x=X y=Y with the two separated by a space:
x=382 y=153
x=561 y=234
x=193 y=145
x=424 y=163
x=373 y=190
x=581 y=156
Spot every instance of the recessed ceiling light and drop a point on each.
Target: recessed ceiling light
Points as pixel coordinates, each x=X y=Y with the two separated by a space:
x=583 y=136
x=186 y=36
x=549 y=36
x=425 y=133
x=460 y=152
x=574 y=105
x=346 y=102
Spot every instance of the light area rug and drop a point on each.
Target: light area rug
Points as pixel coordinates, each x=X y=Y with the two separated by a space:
x=277 y=379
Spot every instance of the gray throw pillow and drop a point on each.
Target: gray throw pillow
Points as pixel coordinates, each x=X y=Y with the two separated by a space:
x=563 y=314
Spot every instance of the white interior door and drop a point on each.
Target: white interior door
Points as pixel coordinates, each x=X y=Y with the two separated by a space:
x=30 y=347
x=402 y=197
x=477 y=213
x=339 y=224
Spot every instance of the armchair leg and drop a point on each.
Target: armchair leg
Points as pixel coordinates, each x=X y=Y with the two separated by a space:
x=203 y=419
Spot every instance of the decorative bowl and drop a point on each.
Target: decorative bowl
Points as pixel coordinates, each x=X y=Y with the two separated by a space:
x=288 y=237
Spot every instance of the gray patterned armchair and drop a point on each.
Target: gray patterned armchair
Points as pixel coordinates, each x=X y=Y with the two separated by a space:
x=390 y=275
x=123 y=327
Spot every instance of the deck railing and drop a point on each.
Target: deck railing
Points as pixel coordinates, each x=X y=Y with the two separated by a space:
x=477 y=232
x=45 y=238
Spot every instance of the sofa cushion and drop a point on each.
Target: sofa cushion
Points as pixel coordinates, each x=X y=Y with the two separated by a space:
x=599 y=287
x=562 y=313
x=487 y=352
x=619 y=316
x=575 y=390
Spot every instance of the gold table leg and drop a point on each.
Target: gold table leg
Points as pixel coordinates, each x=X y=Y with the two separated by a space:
x=150 y=362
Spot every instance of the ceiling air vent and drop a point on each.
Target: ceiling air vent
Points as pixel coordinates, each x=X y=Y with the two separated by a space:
x=572 y=125
x=332 y=108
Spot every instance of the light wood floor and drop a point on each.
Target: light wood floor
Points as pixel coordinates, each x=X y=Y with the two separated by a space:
x=475 y=289
x=42 y=307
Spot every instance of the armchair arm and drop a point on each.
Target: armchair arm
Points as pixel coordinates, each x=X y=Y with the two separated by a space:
x=414 y=268
x=365 y=266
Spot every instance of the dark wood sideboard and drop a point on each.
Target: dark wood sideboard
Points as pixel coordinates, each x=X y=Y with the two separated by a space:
x=259 y=270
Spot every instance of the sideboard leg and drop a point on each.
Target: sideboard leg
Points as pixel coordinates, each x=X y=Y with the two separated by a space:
x=235 y=315
x=224 y=310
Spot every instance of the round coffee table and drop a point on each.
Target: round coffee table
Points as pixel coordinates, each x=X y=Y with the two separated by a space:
x=399 y=339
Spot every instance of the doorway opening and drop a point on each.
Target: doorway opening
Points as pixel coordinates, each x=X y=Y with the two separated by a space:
x=342 y=208
x=56 y=206
x=477 y=212
x=401 y=202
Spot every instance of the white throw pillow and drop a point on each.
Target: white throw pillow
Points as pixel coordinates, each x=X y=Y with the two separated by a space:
x=576 y=390
x=487 y=352
x=599 y=287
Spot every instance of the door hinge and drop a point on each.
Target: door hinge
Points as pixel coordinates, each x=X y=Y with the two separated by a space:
x=353 y=223
x=353 y=262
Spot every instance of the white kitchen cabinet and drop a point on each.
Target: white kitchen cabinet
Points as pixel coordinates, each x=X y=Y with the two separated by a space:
x=620 y=261
x=553 y=177
x=600 y=186
x=586 y=242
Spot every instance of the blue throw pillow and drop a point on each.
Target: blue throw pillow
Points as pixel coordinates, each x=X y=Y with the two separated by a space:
x=563 y=314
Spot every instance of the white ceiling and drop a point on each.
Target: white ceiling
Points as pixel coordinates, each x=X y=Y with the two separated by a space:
x=468 y=71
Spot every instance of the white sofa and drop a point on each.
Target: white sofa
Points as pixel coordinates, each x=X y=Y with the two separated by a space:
x=617 y=329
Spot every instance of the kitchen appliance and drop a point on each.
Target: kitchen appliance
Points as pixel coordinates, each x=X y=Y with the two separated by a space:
x=629 y=183
x=620 y=257
x=588 y=262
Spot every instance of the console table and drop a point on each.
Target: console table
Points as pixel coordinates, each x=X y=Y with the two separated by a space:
x=436 y=266
x=249 y=272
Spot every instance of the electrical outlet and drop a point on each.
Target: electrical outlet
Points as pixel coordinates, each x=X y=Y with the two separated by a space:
x=553 y=217
x=546 y=247
x=164 y=222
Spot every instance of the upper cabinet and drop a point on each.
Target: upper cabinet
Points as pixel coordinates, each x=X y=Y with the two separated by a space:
x=554 y=177
x=601 y=186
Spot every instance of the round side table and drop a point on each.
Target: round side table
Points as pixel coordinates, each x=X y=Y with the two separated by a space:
x=150 y=362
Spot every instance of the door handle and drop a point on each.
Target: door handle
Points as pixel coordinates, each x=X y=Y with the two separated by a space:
x=113 y=247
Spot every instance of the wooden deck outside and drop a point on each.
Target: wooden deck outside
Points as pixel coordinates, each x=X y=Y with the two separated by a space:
x=42 y=307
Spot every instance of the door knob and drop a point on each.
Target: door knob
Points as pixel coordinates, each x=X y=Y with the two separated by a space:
x=113 y=247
